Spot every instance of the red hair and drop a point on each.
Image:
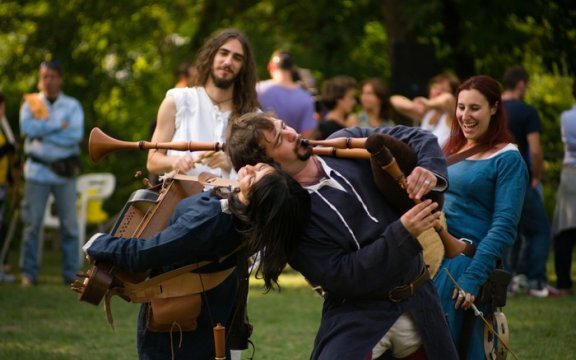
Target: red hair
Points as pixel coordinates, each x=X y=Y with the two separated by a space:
x=498 y=131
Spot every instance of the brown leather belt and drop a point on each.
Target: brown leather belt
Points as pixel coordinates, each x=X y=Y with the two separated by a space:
x=403 y=292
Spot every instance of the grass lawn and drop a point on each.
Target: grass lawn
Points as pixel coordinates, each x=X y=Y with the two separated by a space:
x=48 y=322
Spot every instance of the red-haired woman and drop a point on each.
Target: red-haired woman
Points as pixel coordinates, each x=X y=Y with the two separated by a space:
x=482 y=204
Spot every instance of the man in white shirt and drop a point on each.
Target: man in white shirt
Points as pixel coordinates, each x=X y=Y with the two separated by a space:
x=223 y=89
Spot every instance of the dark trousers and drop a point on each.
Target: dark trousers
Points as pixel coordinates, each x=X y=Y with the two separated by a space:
x=563 y=245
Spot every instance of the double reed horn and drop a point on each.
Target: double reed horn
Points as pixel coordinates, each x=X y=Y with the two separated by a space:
x=100 y=145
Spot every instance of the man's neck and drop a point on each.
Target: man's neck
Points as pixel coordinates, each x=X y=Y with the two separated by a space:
x=309 y=173
x=284 y=79
x=510 y=95
x=220 y=97
x=52 y=97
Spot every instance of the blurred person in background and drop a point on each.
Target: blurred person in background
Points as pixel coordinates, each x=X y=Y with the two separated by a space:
x=375 y=101
x=7 y=148
x=338 y=98
x=564 y=223
x=285 y=97
x=528 y=256
x=434 y=113
x=53 y=126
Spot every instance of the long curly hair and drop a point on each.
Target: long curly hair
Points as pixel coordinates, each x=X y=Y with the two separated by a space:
x=245 y=98
x=274 y=221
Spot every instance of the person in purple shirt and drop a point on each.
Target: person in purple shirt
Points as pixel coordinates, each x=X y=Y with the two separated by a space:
x=286 y=98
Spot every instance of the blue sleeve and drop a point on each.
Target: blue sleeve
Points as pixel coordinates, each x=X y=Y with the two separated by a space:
x=34 y=127
x=510 y=188
x=52 y=129
x=199 y=233
x=425 y=144
x=379 y=264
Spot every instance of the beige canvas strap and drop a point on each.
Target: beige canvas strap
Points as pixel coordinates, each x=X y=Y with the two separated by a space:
x=171 y=285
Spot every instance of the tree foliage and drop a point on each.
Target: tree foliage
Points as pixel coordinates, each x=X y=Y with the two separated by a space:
x=119 y=56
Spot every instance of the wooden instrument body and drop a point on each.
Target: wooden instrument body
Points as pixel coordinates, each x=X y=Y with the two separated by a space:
x=146 y=213
x=433 y=249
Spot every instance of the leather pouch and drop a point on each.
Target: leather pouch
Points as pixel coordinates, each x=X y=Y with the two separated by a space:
x=175 y=313
x=494 y=291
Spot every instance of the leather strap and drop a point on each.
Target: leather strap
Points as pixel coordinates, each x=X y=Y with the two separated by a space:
x=178 y=282
x=172 y=286
x=208 y=179
x=454 y=158
x=403 y=292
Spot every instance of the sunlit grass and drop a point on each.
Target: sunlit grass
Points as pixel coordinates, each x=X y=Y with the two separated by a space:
x=48 y=322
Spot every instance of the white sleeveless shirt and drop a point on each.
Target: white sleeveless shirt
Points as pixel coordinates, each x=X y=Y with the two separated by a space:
x=198 y=119
x=441 y=129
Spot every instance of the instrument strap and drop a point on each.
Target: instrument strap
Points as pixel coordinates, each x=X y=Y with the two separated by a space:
x=454 y=158
x=206 y=178
x=185 y=283
x=175 y=283
x=153 y=287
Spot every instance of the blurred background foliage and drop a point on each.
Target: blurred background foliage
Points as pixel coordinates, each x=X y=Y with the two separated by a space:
x=119 y=57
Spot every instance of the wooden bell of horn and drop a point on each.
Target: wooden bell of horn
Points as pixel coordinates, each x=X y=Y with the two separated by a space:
x=100 y=145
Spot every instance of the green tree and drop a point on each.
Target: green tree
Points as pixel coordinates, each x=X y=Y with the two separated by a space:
x=119 y=57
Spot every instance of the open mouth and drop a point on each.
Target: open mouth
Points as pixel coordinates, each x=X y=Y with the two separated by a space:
x=469 y=125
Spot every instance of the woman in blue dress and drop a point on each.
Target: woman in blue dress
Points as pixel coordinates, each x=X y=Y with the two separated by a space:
x=268 y=204
x=482 y=204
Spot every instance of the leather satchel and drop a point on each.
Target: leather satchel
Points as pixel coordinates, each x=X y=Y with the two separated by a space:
x=180 y=313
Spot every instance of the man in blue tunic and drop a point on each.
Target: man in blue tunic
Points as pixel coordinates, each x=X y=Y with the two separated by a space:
x=356 y=247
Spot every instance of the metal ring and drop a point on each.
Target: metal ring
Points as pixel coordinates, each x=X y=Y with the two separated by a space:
x=427 y=182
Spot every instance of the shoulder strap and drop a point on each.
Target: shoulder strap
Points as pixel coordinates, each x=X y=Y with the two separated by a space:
x=454 y=158
x=206 y=178
x=153 y=287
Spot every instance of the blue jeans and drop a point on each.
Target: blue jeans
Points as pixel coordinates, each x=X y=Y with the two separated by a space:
x=532 y=246
x=33 y=206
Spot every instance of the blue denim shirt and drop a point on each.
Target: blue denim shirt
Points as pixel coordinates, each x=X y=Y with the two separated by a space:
x=48 y=140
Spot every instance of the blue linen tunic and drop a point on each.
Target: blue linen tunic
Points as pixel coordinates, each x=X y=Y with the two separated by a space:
x=198 y=231
x=361 y=254
x=483 y=204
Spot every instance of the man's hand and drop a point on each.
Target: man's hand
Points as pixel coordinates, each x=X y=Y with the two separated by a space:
x=421 y=217
x=420 y=182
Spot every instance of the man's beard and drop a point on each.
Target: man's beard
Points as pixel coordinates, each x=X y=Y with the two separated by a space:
x=222 y=83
